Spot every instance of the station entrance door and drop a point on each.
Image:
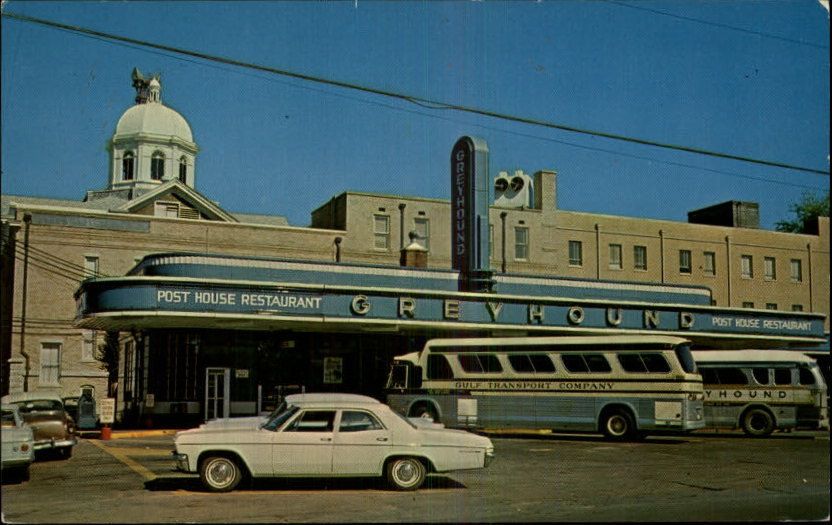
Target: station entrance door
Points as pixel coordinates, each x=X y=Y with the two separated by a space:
x=217 y=392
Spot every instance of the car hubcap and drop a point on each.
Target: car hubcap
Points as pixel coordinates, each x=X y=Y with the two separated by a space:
x=406 y=472
x=220 y=473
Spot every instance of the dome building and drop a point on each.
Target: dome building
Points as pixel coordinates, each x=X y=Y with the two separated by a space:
x=152 y=143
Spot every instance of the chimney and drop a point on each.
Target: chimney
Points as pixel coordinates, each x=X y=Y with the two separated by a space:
x=545 y=190
x=414 y=255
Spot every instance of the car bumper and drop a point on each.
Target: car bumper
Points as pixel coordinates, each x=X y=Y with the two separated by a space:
x=181 y=461
x=489 y=457
x=13 y=463
x=55 y=443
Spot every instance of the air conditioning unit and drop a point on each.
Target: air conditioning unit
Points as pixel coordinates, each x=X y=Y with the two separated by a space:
x=513 y=191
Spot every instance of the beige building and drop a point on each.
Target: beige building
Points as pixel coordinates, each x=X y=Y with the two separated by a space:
x=150 y=205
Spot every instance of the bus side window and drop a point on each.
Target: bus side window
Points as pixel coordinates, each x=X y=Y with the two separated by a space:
x=439 y=368
x=656 y=363
x=574 y=363
x=806 y=376
x=731 y=376
x=709 y=376
x=632 y=363
x=597 y=363
x=485 y=363
x=760 y=375
x=542 y=363
x=531 y=363
x=782 y=376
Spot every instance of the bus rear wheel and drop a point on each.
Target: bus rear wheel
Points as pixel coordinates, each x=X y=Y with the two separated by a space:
x=618 y=424
x=757 y=422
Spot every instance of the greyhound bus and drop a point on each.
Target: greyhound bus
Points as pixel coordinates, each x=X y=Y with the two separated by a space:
x=621 y=386
x=762 y=390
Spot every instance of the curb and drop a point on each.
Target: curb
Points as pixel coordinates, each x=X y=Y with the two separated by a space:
x=122 y=434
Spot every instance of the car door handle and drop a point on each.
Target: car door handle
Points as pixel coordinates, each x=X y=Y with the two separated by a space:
x=326 y=439
x=381 y=439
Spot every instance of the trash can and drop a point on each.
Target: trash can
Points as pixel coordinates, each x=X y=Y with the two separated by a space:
x=87 y=418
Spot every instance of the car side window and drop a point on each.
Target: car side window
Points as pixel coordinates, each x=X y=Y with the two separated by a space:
x=313 y=421
x=354 y=421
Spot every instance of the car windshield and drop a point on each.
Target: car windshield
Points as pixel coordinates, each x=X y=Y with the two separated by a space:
x=276 y=419
x=38 y=405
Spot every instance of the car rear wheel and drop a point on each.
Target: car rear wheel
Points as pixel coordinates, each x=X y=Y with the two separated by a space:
x=220 y=474
x=405 y=473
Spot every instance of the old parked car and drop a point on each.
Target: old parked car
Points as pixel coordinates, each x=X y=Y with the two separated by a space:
x=331 y=435
x=53 y=428
x=17 y=440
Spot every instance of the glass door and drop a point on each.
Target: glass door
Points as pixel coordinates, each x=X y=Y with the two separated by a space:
x=217 y=389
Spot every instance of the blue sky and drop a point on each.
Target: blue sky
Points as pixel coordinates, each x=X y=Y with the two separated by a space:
x=749 y=78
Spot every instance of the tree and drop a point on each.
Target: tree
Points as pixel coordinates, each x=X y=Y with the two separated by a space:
x=108 y=356
x=810 y=206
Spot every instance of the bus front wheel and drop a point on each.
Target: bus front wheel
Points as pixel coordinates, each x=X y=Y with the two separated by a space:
x=757 y=422
x=425 y=411
x=618 y=424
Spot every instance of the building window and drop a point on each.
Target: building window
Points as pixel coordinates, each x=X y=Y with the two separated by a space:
x=422 y=227
x=771 y=306
x=769 y=269
x=710 y=263
x=576 y=253
x=157 y=166
x=183 y=170
x=91 y=265
x=615 y=257
x=747 y=267
x=797 y=308
x=684 y=261
x=640 y=257
x=797 y=270
x=747 y=304
x=88 y=346
x=50 y=364
x=166 y=209
x=381 y=232
x=521 y=243
x=127 y=166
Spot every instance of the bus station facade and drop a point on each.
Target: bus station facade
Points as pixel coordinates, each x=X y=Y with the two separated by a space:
x=216 y=312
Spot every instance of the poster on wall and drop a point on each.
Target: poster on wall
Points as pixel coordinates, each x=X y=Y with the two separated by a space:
x=333 y=370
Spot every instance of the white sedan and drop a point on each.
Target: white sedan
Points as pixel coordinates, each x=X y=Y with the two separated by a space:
x=327 y=435
x=18 y=442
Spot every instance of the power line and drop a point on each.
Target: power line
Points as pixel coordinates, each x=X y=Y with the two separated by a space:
x=716 y=24
x=414 y=99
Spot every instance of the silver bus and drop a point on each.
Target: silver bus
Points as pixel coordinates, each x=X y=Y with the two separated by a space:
x=762 y=390
x=621 y=386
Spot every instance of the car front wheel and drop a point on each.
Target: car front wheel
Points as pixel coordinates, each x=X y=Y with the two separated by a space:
x=405 y=473
x=219 y=474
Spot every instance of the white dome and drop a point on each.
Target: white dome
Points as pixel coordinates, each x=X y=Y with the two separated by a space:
x=156 y=118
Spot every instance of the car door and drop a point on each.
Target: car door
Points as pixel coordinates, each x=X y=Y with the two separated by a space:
x=304 y=446
x=361 y=443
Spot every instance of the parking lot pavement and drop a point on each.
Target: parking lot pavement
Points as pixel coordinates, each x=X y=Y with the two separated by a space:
x=535 y=477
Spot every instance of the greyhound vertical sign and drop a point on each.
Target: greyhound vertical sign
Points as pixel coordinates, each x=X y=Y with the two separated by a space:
x=469 y=213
